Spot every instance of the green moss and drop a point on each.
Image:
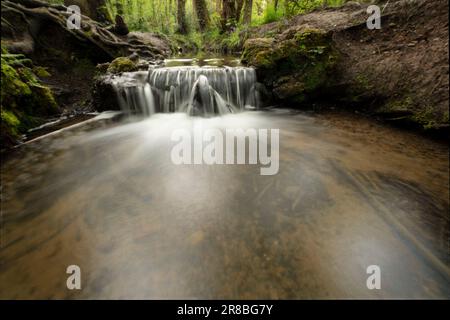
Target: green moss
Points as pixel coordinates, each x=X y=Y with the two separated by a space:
x=11 y=122
x=122 y=64
x=43 y=99
x=399 y=105
x=4 y=51
x=41 y=72
x=257 y=52
x=24 y=98
x=27 y=76
x=307 y=56
x=17 y=60
x=426 y=117
x=11 y=84
x=445 y=117
x=363 y=82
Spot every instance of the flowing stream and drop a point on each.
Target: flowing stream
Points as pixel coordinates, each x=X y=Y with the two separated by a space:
x=105 y=195
x=192 y=89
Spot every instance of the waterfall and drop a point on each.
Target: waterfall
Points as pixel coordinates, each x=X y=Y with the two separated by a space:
x=191 y=89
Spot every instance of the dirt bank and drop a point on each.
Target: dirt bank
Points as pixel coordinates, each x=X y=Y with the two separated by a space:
x=399 y=73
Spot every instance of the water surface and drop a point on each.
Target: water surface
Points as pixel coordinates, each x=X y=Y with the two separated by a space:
x=349 y=193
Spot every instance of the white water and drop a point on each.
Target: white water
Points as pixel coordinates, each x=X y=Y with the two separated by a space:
x=193 y=90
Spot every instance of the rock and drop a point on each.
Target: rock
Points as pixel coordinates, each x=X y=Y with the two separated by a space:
x=121 y=64
x=104 y=95
x=102 y=68
x=120 y=28
x=294 y=67
x=134 y=57
x=253 y=47
x=24 y=98
x=155 y=45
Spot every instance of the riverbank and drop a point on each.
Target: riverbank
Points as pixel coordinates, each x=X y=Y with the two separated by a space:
x=398 y=73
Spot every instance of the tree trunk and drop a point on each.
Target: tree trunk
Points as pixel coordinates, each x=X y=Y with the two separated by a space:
x=181 y=17
x=218 y=6
x=239 y=5
x=248 y=9
x=228 y=15
x=201 y=11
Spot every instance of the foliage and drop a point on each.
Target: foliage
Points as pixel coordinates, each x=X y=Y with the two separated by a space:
x=23 y=97
x=160 y=16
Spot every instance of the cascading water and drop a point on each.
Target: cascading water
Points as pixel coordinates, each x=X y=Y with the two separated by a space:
x=194 y=90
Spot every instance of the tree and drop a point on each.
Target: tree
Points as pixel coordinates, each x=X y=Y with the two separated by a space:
x=181 y=17
x=201 y=11
x=239 y=5
x=248 y=12
x=228 y=15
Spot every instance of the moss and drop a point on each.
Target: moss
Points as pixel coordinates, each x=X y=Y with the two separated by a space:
x=41 y=72
x=4 y=51
x=17 y=60
x=445 y=117
x=24 y=98
x=43 y=99
x=122 y=64
x=11 y=84
x=307 y=57
x=256 y=51
x=102 y=68
x=399 y=105
x=11 y=122
x=426 y=118
x=362 y=83
x=27 y=76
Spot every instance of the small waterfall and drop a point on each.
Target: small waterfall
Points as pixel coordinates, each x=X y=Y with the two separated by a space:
x=191 y=89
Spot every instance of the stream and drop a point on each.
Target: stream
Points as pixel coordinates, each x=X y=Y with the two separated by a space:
x=105 y=195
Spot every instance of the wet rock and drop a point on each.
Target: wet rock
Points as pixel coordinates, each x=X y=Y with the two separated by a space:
x=121 y=64
x=104 y=95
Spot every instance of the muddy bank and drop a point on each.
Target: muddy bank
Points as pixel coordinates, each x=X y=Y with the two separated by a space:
x=398 y=73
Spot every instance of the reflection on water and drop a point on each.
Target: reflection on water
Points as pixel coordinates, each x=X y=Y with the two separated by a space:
x=349 y=194
x=203 y=62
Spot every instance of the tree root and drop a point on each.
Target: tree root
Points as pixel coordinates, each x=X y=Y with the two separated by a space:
x=91 y=32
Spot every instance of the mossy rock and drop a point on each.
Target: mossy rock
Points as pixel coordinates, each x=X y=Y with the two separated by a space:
x=122 y=64
x=24 y=98
x=304 y=62
x=10 y=121
x=102 y=68
x=254 y=47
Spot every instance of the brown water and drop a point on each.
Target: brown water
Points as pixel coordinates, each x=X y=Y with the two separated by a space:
x=350 y=193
